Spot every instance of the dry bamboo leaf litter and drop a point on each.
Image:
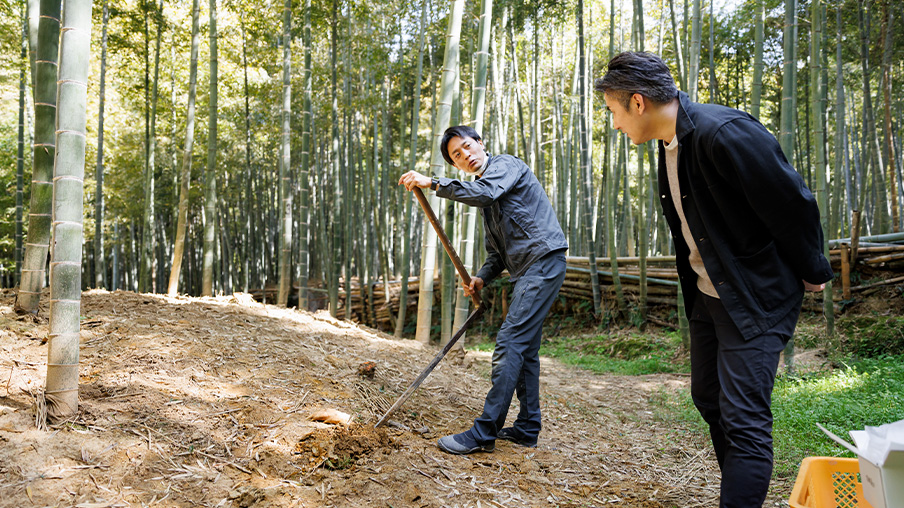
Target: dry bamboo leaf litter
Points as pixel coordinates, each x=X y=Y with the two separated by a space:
x=207 y=402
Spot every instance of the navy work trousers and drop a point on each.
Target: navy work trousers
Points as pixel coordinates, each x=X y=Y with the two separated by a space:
x=516 y=359
x=731 y=385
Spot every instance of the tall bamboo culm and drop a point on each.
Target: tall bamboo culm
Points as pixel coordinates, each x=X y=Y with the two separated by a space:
x=185 y=176
x=478 y=103
x=415 y=113
x=61 y=389
x=757 y=91
x=437 y=166
x=39 y=210
x=285 y=193
x=818 y=122
x=788 y=111
x=20 y=152
x=100 y=268
x=210 y=173
x=586 y=170
x=888 y=23
x=335 y=240
x=693 y=73
x=304 y=234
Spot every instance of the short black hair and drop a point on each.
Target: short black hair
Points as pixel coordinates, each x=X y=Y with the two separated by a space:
x=458 y=131
x=633 y=72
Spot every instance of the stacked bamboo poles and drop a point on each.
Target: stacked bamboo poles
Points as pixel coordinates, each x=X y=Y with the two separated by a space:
x=377 y=312
x=662 y=288
x=871 y=259
x=662 y=282
x=662 y=279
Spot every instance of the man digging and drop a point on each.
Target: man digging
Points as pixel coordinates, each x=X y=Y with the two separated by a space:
x=524 y=237
x=748 y=242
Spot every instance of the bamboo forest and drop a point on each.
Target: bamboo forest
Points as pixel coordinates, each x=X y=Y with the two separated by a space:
x=214 y=280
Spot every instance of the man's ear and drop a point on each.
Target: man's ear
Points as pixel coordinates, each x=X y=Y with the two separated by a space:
x=638 y=103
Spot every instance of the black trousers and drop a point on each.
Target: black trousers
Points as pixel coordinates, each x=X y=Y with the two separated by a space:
x=731 y=384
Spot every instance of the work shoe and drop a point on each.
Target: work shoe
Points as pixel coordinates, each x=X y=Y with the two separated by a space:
x=463 y=444
x=514 y=435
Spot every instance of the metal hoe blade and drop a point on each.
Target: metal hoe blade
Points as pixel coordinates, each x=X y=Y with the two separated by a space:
x=439 y=356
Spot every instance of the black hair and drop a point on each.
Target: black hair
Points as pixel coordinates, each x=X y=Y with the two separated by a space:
x=458 y=131
x=632 y=72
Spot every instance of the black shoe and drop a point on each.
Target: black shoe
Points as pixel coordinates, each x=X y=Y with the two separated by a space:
x=463 y=444
x=515 y=436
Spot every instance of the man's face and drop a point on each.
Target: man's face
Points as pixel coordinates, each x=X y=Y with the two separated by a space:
x=630 y=121
x=467 y=153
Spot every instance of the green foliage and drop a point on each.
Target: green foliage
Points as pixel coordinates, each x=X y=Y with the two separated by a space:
x=869 y=392
x=873 y=336
x=8 y=150
x=483 y=345
x=630 y=354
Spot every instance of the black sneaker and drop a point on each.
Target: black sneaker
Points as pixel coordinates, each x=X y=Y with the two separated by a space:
x=463 y=444
x=515 y=436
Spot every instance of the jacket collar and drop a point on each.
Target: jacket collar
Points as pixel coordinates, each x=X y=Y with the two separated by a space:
x=683 y=124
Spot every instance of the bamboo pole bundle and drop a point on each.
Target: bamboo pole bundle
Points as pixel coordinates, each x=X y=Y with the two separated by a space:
x=376 y=306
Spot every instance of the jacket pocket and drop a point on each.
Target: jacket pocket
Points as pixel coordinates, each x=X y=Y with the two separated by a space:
x=518 y=225
x=767 y=277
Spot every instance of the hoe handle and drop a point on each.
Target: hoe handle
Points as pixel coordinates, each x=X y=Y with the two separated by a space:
x=446 y=243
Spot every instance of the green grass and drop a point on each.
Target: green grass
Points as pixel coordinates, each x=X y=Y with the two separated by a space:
x=629 y=354
x=869 y=392
x=485 y=346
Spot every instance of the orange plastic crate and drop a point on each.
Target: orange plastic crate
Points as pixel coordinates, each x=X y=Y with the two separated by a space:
x=828 y=482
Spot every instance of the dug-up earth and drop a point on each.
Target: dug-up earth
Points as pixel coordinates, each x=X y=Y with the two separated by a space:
x=223 y=401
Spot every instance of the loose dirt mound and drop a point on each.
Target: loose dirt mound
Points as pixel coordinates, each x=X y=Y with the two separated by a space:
x=340 y=448
x=212 y=401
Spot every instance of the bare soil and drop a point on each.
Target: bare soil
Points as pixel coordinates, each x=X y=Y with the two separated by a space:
x=211 y=402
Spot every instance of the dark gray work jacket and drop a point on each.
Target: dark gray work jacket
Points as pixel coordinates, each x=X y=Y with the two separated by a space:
x=520 y=224
x=752 y=217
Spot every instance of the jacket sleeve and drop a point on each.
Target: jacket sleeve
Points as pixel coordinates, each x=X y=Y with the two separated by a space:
x=493 y=266
x=498 y=179
x=776 y=193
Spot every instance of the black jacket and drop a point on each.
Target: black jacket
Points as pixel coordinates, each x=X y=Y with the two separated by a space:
x=520 y=224
x=753 y=219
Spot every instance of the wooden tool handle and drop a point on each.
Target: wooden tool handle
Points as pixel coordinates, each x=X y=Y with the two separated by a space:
x=446 y=243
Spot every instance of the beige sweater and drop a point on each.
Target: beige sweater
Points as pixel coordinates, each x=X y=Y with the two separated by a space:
x=671 y=164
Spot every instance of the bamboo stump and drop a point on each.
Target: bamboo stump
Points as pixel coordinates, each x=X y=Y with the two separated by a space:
x=846 y=271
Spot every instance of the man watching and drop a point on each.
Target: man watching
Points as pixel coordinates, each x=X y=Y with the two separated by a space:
x=524 y=237
x=748 y=242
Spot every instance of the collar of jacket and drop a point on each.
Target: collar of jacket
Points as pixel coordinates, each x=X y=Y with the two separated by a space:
x=683 y=123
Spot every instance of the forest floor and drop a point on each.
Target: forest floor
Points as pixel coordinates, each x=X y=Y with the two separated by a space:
x=213 y=401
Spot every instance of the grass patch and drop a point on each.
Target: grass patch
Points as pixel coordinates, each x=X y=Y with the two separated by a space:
x=627 y=354
x=631 y=354
x=869 y=392
x=485 y=346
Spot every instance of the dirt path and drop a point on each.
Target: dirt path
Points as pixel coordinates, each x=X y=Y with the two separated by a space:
x=210 y=402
